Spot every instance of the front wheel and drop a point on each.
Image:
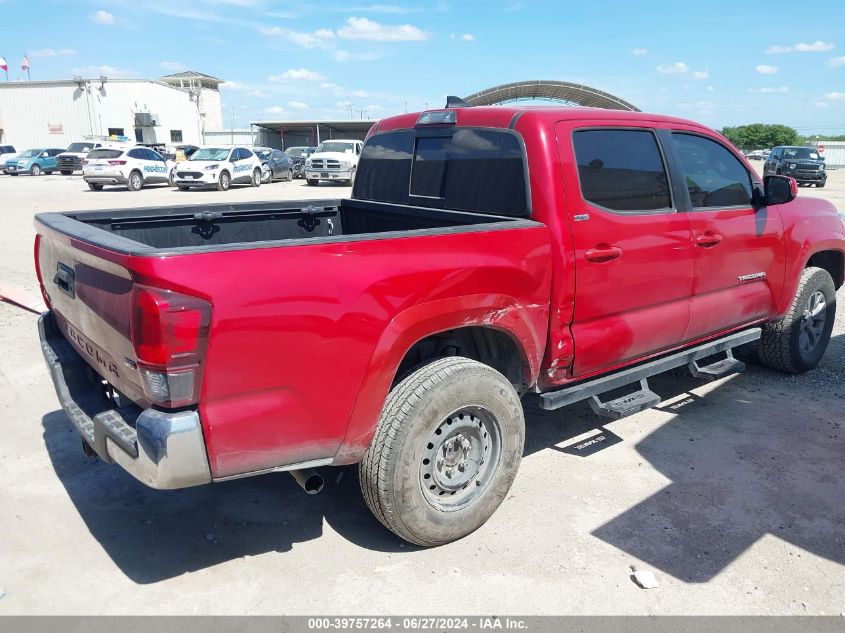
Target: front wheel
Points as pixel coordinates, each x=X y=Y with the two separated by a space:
x=797 y=342
x=256 y=178
x=65 y=172
x=95 y=186
x=446 y=451
x=820 y=185
x=266 y=177
x=224 y=182
x=35 y=170
x=311 y=182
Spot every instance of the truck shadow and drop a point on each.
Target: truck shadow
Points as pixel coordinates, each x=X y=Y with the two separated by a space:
x=744 y=463
x=749 y=460
x=153 y=535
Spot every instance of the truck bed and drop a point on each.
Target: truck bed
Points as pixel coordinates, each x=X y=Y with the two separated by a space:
x=203 y=228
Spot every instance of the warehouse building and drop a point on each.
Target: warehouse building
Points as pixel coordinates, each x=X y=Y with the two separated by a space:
x=176 y=109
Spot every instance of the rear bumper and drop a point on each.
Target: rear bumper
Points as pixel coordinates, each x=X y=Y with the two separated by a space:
x=116 y=179
x=163 y=450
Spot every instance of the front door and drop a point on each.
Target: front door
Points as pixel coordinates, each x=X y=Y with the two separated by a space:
x=632 y=249
x=739 y=249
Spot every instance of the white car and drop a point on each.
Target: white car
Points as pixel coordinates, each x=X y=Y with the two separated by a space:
x=218 y=167
x=7 y=152
x=133 y=167
x=334 y=160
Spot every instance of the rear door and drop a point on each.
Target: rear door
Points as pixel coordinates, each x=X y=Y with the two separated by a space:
x=739 y=249
x=633 y=249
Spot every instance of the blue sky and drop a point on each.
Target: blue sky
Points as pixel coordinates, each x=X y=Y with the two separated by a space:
x=721 y=63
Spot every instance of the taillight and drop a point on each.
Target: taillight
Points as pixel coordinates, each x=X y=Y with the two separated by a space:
x=117 y=162
x=37 y=252
x=169 y=332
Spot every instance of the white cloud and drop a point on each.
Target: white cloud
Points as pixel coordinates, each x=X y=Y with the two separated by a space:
x=315 y=39
x=297 y=74
x=102 y=17
x=366 y=29
x=678 y=68
x=468 y=37
x=360 y=94
x=327 y=85
x=343 y=56
x=275 y=110
x=249 y=91
x=108 y=71
x=297 y=105
x=802 y=47
x=769 y=90
x=383 y=8
x=711 y=88
x=173 y=67
x=700 y=74
x=52 y=52
x=835 y=96
x=765 y=69
x=639 y=51
x=836 y=61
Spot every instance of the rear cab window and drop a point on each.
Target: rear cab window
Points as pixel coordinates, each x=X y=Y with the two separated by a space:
x=479 y=170
x=622 y=170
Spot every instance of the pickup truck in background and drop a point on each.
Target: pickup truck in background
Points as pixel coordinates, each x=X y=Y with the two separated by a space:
x=486 y=252
x=336 y=159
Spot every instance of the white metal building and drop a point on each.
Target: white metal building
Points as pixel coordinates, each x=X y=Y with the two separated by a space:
x=833 y=152
x=57 y=113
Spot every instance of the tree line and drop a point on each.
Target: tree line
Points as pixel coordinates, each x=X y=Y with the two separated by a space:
x=764 y=136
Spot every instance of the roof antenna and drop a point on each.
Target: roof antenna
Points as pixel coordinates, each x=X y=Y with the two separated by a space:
x=456 y=102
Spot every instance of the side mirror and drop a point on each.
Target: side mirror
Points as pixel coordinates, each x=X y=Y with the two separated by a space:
x=780 y=189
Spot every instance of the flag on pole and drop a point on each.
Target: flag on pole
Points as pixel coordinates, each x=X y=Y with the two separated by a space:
x=3 y=64
x=25 y=64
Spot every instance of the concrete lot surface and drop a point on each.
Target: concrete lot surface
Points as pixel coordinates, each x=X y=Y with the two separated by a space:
x=731 y=492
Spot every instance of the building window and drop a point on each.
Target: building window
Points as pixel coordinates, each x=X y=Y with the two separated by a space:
x=116 y=131
x=139 y=135
x=175 y=136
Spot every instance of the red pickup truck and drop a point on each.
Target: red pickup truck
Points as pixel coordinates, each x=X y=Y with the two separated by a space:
x=485 y=253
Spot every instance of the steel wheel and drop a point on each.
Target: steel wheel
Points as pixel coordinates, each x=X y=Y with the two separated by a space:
x=812 y=323
x=460 y=459
x=35 y=170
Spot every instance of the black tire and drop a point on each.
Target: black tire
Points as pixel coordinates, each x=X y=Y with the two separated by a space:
x=351 y=181
x=311 y=182
x=183 y=187
x=256 y=178
x=224 y=182
x=820 y=185
x=170 y=182
x=416 y=422
x=95 y=186
x=269 y=178
x=13 y=174
x=786 y=344
x=35 y=170
x=65 y=172
x=290 y=175
x=135 y=181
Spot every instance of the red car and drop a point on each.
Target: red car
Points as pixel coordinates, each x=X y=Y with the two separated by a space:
x=485 y=253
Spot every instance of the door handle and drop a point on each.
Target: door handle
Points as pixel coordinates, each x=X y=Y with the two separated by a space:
x=708 y=239
x=602 y=253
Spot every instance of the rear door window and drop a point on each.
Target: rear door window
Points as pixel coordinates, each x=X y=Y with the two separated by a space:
x=714 y=176
x=622 y=170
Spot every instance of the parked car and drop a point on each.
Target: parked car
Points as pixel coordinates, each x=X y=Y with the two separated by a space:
x=34 y=162
x=804 y=164
x=7 y=152
x=275 y=164
x=299 y=155
x=134 y=167
x=71 y=159
x=479 y=258
x=218 y=167
x=333 y=160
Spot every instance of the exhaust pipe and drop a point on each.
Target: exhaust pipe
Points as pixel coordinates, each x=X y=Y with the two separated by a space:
x=308 y=479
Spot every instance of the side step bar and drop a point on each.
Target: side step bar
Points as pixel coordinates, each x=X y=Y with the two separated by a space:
x=644 y=398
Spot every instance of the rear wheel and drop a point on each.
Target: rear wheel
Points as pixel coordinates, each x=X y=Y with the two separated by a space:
x=224 y=182
x=135 y=181
x=35 y=170
x=95 y=186
x=311 y=182
x=797 y=342
x=446 y=451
